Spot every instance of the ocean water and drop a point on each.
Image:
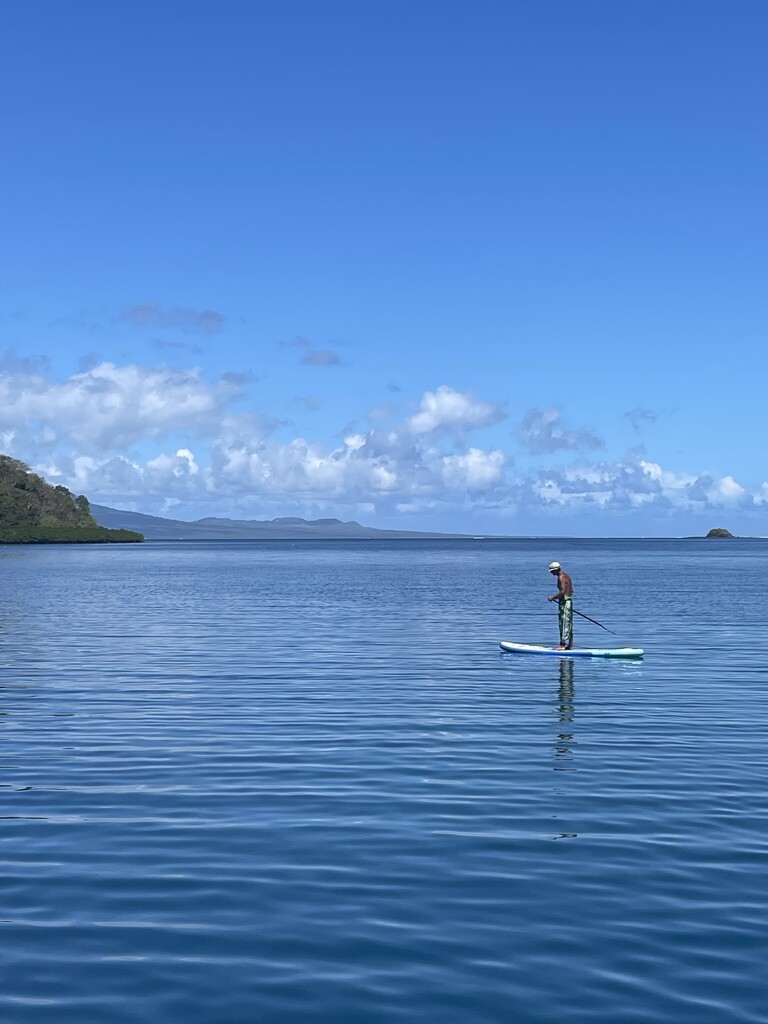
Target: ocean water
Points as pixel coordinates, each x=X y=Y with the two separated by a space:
x=299 y=782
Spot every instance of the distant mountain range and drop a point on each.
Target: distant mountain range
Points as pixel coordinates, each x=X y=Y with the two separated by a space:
x=212 y=528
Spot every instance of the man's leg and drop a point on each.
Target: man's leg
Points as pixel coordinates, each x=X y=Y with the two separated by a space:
x=566 y=633
x=561 y=624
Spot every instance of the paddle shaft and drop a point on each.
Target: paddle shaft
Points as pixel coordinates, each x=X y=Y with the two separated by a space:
x=593 y=620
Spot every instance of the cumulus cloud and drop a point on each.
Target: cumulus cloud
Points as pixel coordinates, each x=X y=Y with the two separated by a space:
x=449 y=411
x=375 y=464
x=628 y=485
x=542 y=433
x=365 y=465
x=182 y=465
x=473 y=470
x=364 y=470
x=726 y=491
x=110 y=407
x=150 y=314
x=96 y=476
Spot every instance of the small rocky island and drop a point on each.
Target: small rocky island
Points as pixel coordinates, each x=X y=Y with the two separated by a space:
x=35 y=512
x=719 y=532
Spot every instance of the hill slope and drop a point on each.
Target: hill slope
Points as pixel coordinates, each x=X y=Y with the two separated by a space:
x=33 y=511
x=211 y=528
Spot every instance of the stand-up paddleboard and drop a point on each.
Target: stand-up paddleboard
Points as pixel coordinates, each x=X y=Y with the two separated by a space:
x=575 y=652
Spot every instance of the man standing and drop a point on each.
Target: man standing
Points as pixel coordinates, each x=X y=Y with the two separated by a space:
x=564 y=598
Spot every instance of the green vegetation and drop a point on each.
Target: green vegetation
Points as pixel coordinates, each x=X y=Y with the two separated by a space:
x=34 y=512
x=719 y=532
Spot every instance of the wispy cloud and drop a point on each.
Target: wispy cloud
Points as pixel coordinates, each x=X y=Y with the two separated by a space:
x=83 y=320
x=175 y=345
x=378 y=413
x=15 y=365
x=234 y=379
x=321 y=357
x=88 y=360
x=640 y=418
x=312 y=403
x=543 y=433
x=150 y=314
x=298 y=342
x=314 y=355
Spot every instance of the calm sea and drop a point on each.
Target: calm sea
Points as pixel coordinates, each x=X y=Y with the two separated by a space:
x=246 y=783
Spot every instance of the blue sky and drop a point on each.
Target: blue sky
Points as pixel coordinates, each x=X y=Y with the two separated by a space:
x=472 y=266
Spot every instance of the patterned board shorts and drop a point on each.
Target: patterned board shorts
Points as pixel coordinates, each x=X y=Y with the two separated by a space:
x=565 y=620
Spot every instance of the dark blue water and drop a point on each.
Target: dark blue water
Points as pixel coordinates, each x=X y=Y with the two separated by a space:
x=299 y=783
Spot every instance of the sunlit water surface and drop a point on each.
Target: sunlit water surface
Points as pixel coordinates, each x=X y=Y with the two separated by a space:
x=275 y=782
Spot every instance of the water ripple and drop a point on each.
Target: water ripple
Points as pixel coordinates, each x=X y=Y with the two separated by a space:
x=288 y=783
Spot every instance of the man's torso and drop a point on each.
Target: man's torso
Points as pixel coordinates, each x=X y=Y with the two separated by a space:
x=565 y=585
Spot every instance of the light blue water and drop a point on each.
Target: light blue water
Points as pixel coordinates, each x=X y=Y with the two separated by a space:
x=300 y=783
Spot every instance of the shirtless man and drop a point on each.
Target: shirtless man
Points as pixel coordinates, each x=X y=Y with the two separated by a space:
x=564 y=598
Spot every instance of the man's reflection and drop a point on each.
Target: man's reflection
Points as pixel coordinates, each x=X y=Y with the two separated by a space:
x=565 y=709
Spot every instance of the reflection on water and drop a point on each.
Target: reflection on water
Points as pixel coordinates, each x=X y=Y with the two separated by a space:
x=565 y=712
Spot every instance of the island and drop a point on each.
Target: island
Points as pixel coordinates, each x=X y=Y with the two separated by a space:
x=35 y=512
x=283 y=528
x=719 y=532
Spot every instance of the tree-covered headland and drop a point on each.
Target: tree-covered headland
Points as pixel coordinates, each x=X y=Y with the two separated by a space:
x=35 y=512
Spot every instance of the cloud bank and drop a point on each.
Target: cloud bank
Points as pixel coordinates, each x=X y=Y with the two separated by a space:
x=155 y=437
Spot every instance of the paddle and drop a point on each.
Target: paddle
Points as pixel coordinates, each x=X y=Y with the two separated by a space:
x=595 y=622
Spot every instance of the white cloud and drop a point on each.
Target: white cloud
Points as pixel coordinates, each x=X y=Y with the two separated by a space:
x=634 y=483
x=182 y=465
x=474 y=470
x=111 y=407
x=726 y=491
x=446 y=410
x=368 y=467
x=91 y=433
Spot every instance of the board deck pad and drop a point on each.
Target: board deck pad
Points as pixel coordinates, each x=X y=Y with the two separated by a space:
x=576 y=652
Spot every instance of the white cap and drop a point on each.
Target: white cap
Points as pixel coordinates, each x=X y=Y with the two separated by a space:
x=553 y=566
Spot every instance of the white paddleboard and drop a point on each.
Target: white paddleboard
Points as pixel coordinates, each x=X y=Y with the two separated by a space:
x=575 y=652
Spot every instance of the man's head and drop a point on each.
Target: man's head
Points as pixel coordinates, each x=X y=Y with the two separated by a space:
x=554 y=568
